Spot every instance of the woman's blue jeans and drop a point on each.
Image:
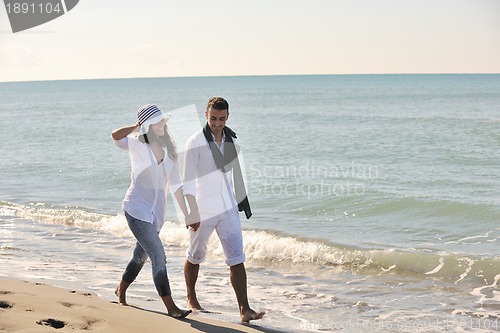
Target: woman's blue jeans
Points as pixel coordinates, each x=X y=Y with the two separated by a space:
x=148 y=245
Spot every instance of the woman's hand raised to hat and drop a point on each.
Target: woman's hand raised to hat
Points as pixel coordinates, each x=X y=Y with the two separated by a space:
x=122 y=132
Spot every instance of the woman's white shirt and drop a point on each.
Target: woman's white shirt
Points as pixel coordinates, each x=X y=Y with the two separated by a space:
x=146 y=196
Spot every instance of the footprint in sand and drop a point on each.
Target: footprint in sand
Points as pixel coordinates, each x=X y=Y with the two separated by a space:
x=83 y=294
x=5 y=305
x=67 y=304
x=90 y=323
x=52 y=322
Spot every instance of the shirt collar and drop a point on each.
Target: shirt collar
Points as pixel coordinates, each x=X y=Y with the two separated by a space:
x=223 y=137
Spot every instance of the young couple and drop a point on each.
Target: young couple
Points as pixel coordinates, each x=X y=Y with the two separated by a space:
x=213 y=188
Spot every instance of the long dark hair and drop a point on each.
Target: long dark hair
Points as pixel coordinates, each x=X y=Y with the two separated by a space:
x=166 y=140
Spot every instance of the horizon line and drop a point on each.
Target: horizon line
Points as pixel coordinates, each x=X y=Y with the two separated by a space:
x=240 y=75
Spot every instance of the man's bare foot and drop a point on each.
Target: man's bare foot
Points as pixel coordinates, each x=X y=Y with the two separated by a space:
x=193 y=304
x=122 y=300
x=251 y=315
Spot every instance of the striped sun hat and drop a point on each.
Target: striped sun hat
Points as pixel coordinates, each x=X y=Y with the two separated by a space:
x=149 y=114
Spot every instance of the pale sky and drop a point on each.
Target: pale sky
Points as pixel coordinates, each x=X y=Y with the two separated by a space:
x=162 y=38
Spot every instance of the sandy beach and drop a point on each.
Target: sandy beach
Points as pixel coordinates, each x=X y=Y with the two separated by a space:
x=35 y=307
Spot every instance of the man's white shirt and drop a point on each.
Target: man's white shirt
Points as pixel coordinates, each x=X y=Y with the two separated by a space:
x=214 y=190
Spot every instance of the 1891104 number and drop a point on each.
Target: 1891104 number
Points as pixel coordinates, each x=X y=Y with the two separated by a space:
x=31 y=8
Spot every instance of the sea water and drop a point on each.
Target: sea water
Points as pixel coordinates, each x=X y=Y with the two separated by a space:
x=376 y=198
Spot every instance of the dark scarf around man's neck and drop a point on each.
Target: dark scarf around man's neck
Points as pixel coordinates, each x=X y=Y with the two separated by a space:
x=227 y=162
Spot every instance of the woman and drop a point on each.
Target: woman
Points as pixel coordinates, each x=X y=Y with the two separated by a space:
x=154 y=165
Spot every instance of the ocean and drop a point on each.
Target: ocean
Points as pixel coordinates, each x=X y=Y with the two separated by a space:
x=376 y=198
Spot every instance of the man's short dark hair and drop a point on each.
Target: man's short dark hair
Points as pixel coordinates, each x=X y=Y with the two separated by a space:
x=218 y=103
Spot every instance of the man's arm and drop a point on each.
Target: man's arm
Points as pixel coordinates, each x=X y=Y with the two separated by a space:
x=194 y=215
x=190 y=165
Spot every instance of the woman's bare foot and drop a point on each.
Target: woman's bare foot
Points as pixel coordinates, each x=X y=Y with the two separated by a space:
x=122 y=300
x=179 y=313
x=251 y=315
x=172 y=309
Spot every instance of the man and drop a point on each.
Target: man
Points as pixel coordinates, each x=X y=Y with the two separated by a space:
x=211 y=164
